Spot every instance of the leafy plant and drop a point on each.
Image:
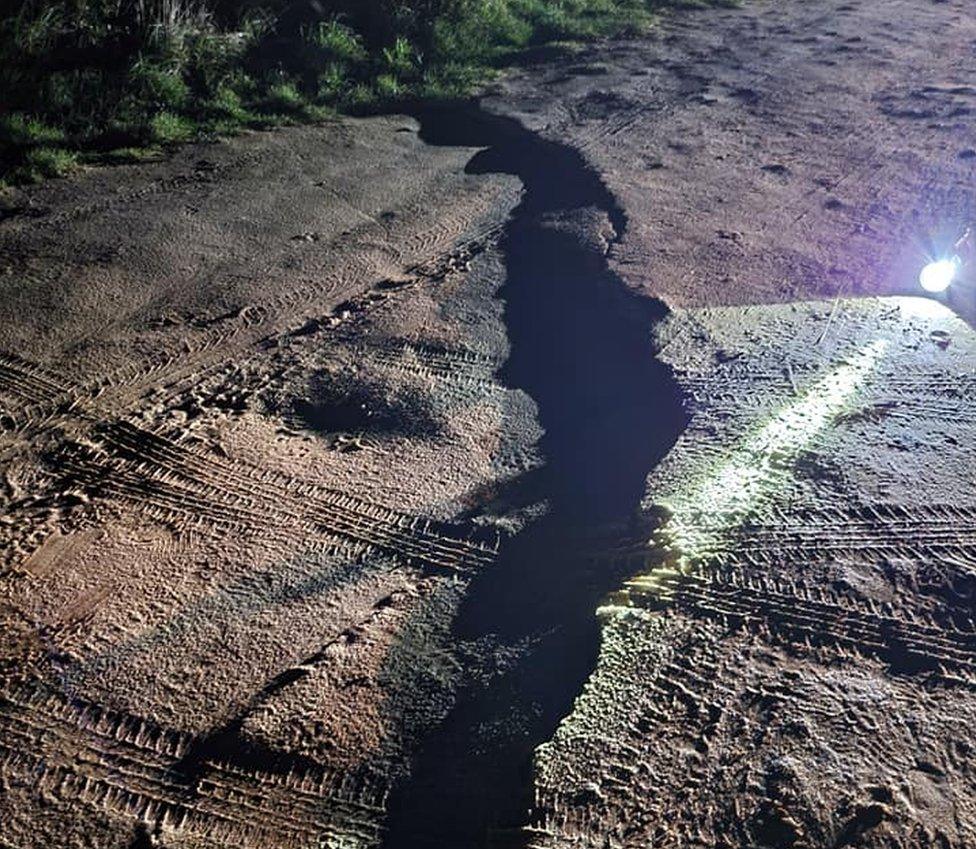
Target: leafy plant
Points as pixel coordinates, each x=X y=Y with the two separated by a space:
x=96 y=77
x=47 y=162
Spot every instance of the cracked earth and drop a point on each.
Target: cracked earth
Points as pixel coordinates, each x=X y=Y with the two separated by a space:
x=573 y=468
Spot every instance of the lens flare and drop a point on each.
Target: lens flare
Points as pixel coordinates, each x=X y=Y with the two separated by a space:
x=938 y=275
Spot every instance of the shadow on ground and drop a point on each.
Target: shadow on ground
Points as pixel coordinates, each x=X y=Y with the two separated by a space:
x=581 y=346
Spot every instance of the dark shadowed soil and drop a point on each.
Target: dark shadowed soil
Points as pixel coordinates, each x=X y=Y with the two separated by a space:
x=581 y=347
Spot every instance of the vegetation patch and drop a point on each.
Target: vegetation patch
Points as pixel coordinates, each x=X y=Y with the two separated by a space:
x=110 y=80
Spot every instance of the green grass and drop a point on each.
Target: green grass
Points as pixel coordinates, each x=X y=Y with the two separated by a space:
x=103 y=80
x=168 y=128
x=41 y=162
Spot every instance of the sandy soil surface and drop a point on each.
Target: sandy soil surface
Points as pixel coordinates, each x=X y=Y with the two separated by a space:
x=559 y=472
x=245 y=394
x=792 y=660
x=777 y=151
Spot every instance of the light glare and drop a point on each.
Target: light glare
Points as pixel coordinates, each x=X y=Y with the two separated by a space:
x=937 y=276
x=706 y=512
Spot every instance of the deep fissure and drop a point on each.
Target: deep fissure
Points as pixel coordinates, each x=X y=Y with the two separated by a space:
x=581 y=347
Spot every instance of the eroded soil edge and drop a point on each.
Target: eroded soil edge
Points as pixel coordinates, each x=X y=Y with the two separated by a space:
x=581 y=347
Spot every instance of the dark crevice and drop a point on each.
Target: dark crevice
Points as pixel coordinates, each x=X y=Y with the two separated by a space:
x=581 y=347
x=865 y=818
x=144 y=837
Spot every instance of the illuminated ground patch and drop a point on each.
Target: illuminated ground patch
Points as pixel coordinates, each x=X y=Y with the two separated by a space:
x=808 y=584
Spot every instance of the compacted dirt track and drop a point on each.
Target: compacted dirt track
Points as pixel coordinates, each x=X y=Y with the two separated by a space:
x=557 y=471
x=777 y=151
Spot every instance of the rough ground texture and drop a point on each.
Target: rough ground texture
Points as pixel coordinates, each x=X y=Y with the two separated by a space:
x=775 y=151
x=243 y=396
x=322 y=449
x=788 y=666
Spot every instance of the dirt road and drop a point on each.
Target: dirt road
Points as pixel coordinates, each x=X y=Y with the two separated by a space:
x=777 y=151
x=561 y=471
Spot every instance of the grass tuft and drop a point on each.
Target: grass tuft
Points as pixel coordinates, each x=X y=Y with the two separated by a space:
x=44 y=162
x=170 y=128
x=97 y=80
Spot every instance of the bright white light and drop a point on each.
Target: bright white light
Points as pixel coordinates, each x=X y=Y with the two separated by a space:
x=709 y=509
x=761 y=463
x=936 y=276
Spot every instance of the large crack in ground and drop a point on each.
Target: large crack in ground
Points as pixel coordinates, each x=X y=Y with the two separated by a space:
x=581 y=346
x=763 y=155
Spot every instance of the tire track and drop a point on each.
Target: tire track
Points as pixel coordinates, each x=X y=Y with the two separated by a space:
x=155 y=473
x=741 y=583
x=875 y=531
x=743 y=385
x=42 y=396
x=197 y=176
x=805 y=617
x=175 y=485
x=109 y=759
x=454 y=365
